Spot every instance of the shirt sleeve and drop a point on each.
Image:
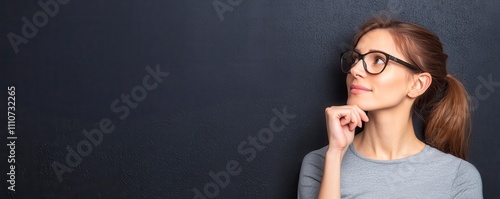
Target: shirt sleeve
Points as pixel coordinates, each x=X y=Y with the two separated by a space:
x=311 y=174
x=467 y=183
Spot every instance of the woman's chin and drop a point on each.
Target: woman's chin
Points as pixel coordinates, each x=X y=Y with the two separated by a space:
x=362 y=106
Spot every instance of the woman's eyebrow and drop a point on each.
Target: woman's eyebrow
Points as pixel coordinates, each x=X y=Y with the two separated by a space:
x=370 y=50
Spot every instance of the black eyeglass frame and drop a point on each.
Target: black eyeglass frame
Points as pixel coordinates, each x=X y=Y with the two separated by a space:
x=388 y=57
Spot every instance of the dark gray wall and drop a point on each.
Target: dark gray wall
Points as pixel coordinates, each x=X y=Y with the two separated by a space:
x=223 y=79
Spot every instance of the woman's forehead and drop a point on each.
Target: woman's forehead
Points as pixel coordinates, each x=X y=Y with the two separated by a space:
x=378 y=39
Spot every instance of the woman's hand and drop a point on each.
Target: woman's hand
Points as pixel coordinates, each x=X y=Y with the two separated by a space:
x=341 y=121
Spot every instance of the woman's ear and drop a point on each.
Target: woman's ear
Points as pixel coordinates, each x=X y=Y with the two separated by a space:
x=420 y=84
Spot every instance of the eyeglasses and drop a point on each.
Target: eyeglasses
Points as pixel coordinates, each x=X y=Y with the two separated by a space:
x=374 y=62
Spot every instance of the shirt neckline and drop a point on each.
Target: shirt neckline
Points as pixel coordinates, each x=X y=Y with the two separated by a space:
x=412 y=158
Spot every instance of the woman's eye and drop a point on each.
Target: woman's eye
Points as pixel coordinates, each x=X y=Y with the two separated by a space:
x=379 y=61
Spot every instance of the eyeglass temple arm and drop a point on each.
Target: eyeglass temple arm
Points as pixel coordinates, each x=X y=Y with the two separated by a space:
x=404 y=63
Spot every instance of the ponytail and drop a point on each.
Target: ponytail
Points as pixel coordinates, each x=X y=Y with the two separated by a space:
x=448 y=122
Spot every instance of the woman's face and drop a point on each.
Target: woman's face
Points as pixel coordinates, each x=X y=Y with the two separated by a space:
x=382 y=91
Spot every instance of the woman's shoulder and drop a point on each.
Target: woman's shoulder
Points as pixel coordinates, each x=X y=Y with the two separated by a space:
x=462 y=168
x=466 y=179
x=434 y=154
x=311 y=173
x=318 y=154
x=314 y=160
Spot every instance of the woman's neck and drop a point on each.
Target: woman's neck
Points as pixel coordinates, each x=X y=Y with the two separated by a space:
x=388 y=135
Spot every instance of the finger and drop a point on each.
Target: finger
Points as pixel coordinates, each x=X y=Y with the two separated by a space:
x=355 y=112
x=362 y=114
x=347 y=123
x=354 y=120
x=350 y=117
x=346 y=119
x=344 y=122
x=352 y=126
x=346 y=115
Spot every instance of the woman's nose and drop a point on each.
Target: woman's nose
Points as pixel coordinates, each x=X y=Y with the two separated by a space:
x=358 y=69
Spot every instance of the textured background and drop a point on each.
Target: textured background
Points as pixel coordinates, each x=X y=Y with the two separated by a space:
x=226 y=75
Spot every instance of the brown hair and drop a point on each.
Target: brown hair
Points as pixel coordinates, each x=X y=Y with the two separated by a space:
x=444 y=106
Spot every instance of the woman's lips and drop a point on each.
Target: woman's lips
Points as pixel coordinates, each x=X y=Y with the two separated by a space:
x=356 y=89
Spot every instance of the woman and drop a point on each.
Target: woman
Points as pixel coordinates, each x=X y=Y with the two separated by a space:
x=395 y=70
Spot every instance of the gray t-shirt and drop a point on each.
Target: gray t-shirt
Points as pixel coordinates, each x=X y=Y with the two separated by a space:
x=428 y=174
